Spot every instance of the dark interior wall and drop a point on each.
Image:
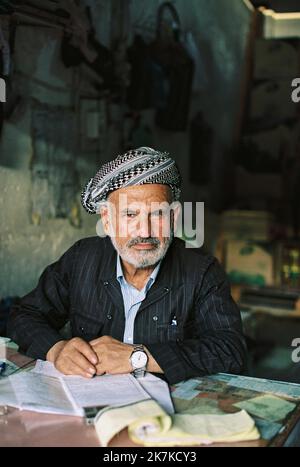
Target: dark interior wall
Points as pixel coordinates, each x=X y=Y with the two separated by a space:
x=39 y=74
x=26 y=249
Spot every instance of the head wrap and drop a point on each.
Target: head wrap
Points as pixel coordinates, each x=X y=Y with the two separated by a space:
x=135 y=167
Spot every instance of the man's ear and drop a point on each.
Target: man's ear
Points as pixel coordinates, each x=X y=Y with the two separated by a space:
x=104 y=215
x=108 y=217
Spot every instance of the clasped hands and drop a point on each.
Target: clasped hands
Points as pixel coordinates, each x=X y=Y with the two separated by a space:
x=102 y=355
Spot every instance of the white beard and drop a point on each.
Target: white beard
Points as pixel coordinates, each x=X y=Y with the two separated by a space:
x=143 y=258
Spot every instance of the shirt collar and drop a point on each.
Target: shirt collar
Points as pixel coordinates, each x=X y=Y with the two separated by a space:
x=120 y=275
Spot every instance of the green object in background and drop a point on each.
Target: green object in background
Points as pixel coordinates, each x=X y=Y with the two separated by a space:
x=246 y=250
x=249 y=263
x=238 y=277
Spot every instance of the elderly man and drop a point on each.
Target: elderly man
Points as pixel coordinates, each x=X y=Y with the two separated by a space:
x=137 y=300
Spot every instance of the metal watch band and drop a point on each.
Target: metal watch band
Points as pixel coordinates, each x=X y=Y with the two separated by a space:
x=139 y=372
x=138 y=347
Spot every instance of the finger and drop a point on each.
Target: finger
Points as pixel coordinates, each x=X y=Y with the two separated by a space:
x=100 y=370
x=85 y=349
x=66 y=366
x=80 y=360
x=75 y=369
x=95 y=342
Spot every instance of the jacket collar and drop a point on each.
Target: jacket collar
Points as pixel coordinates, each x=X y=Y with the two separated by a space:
x=170 y=275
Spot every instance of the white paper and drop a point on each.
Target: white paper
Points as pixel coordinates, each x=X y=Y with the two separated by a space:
x=158 y=390
x=153 y=386
x=46 y=368
x=42 y=394
x=7 y=395
x=38 y=391
x=105 y=390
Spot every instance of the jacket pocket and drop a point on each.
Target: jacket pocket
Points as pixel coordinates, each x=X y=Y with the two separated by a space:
x=168 y=333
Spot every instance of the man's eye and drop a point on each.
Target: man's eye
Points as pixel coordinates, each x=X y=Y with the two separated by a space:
x=130 y=214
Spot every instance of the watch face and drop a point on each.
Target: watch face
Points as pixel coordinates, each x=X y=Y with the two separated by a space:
x=139 y=359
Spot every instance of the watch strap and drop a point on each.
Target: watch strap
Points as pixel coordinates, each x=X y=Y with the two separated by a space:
x=139 y=372
x=137 y=347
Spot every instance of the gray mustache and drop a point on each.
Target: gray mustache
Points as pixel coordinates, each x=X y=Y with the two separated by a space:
x=151 y=240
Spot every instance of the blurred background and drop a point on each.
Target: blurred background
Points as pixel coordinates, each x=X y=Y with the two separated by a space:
x=209 y=82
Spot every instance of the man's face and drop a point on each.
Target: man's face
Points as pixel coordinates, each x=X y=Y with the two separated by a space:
x=140 y=223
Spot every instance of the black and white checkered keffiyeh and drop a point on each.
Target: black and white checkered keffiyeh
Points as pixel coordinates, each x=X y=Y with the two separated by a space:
x=135 y=167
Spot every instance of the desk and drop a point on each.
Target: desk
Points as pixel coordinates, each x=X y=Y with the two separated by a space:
x=24 y=428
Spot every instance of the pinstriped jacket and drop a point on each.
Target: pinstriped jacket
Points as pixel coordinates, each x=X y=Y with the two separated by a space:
x=81 y=287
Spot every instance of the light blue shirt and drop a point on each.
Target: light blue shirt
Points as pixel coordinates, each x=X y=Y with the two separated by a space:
x=132 y=299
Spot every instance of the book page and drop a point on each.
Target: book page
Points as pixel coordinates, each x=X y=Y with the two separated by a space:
x=68 y=395
x=121 y=389
x=158 y=390
x=7 y=394
x=42 y=394
x=104 y=390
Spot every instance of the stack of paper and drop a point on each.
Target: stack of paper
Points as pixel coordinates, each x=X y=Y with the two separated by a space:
x=153 y=386
x=68 y=396
x=47 y=390
x=150 y=425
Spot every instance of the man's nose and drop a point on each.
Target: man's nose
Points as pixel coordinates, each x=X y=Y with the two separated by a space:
x=144 y=227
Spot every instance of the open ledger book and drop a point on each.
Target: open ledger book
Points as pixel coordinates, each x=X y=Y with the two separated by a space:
x=45 y=389
x=150 y=425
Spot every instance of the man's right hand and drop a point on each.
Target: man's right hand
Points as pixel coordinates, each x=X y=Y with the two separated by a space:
x=73 y=357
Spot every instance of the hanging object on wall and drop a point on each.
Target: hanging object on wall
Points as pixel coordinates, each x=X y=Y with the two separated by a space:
x=80 y=46
x=174 y=70
x=14 y=104
x=54 y=178
x=140 y=91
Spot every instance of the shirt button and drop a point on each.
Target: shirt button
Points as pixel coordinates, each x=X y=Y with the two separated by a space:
x=129 y=339
x=81 y=329
x=167 y=289
x=105 y=283
x=108 y=316
x=155 y=318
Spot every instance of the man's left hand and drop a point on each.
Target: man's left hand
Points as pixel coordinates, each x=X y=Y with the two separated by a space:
x=113 y=355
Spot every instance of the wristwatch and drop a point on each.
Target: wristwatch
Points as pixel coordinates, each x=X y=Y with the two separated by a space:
x=138 y=360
